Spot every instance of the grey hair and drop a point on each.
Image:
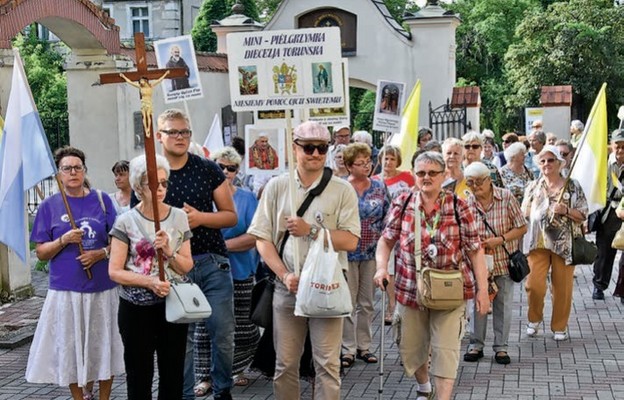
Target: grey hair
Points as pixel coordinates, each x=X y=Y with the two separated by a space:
x=540 y=136
x=227 y=153
x=452 y=142
x=473 y=136
x=364 y=137
x=431 y=157
x=566 y=143
x=476 y=169
x=578 y=125
x=138 y=171
x=514 y=149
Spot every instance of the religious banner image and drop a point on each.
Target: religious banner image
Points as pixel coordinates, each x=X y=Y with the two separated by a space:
x=334 y=116
x=388 y=106
x=265 y=149
x=178 y=52
x=289 y=69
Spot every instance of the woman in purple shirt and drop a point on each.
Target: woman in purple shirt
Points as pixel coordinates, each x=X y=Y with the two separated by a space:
x=77 y=339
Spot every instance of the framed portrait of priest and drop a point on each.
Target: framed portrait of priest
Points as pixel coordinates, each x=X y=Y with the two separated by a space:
x=265 y=150
x=178 y=52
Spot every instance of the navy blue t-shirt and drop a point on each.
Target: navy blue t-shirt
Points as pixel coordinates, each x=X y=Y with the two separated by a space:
x=193 y=184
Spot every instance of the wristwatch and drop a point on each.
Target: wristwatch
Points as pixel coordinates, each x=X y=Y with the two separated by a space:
x=314 y=230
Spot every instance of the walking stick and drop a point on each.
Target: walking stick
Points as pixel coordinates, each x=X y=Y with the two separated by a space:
x=383 y=339
x=72 y=222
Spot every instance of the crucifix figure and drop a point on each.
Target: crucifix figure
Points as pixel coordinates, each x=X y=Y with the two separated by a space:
x=141 y=80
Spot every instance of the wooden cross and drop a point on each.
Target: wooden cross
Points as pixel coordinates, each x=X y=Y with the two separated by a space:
x=140 y=79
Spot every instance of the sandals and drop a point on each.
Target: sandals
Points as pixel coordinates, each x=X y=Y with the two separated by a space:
x=502 y=358
x=347 y=361
x=366 y=356
x=202 y=388
x=241 y=380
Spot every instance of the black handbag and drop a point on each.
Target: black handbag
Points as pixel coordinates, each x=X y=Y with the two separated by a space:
x=594 y=221
x=583 y=251
x=518 y=265
x=261 y=312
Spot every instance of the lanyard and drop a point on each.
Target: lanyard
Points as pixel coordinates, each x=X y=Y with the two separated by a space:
x=433 y=228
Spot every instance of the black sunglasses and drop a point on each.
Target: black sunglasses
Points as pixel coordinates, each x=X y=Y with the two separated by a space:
x=308 y=149
x=472 y=146
x=230 y=168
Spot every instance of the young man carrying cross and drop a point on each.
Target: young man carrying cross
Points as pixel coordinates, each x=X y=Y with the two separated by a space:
x=194 y=184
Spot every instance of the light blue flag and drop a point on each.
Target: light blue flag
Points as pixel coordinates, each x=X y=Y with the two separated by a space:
x=25 y=160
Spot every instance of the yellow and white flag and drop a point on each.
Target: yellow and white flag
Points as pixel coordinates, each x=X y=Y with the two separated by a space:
x=407 y=139
x=589 y=166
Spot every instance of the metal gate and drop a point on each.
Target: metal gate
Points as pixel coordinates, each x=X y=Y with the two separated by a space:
x=446 y=121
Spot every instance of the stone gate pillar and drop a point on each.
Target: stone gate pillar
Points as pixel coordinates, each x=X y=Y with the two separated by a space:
x=557 y=101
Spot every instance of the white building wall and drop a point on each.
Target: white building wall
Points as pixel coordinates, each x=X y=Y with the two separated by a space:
x=557 y=120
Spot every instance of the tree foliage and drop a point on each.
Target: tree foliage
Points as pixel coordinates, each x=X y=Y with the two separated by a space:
x=211 y=11
x=578 y=43
x=48 y=83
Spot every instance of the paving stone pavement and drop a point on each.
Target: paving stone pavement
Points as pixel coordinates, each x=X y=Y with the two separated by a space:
x=590 y=365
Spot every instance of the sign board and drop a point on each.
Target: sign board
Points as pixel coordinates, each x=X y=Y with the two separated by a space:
x=277 y=70
x=178 y=52
x=334 y=116
x=389 y=103
x=532 y=114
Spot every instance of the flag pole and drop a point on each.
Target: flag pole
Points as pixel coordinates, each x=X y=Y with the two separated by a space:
x=72 y=222
x=291 y=183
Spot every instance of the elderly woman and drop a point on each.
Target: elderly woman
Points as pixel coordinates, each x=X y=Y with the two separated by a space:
x=473 y=145
x=452 y=153
x=489 y=147
x=515 y=174
x=244 y=261
x=555 y=212
x=77 y=339
x=338 y=162
x=121 y=198
x=425 y=135
x=372 y=206
x=448 y=230
x=501 y=224
x=576 y=131
x=365 y=137
x=134 y=265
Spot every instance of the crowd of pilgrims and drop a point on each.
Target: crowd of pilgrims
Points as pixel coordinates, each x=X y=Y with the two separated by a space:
x=478 y=202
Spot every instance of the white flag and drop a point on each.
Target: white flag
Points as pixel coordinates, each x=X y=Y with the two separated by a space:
x=214 y=140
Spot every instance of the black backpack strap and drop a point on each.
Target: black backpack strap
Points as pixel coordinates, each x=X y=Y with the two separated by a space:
x=456 y=215
x=327 y=175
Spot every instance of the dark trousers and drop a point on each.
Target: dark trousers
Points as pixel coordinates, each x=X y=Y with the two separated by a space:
x=603 y=266
x=144 y=330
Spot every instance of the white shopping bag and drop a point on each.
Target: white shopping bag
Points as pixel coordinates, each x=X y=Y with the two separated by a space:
x=323 y=290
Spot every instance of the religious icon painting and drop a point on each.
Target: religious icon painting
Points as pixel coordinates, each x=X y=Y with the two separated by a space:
x=322 y=77
x=264 y=155
x=179 y=52
x=248 y=80
x=388 y=106
x=286 y=79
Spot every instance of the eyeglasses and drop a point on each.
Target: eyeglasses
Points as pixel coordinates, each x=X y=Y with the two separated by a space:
x=472 y=146
x=363 y=164
x=183 y=133
x=476 y=182
x=308 y=149
x=433 y=174
x=67 y=169
x=164 y=184
x=229 y=168
x=547 y=160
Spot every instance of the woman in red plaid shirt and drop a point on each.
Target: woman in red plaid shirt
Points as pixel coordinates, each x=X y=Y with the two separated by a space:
x=448 y=230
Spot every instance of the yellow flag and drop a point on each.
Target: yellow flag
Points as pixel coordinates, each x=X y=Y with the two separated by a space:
x=407 y=139
x=1 y=127
x=589 y=166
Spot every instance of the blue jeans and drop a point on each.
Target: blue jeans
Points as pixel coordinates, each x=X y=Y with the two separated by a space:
x=212 y=273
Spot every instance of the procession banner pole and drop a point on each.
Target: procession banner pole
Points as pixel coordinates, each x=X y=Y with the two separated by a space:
x=292 y=185
x=72 y=222
x=188 y=113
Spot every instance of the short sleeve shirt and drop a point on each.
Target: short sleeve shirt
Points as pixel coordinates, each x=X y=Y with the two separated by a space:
x=94 y=218
x=194 y=184
x=373 y=206
x=243 y=263
x=335 y=208
x=131 y=228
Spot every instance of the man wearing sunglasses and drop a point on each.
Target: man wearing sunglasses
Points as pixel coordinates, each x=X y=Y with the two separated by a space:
x=335 y=209
x=195 y=184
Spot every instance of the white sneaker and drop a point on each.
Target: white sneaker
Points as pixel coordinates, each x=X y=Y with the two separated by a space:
x=532 y=328
x=558 y=336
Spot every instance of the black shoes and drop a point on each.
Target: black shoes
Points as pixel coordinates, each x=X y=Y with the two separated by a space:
x=502 y=358
x=598 y=294
x=473 y=355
